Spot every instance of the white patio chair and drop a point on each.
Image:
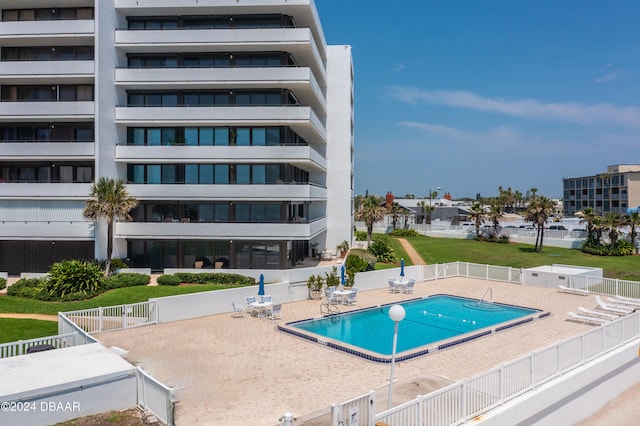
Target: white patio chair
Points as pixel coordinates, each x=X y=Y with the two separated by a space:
x=408 y=289
x=238 y=311
x=274 y=312
x=393 y=288
x=331 y=297
x=250 y=308
x=265 y=299
x=352 y=298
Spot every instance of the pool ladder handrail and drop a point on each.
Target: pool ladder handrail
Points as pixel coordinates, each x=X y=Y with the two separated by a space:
x=331 y=308
x=484 y=295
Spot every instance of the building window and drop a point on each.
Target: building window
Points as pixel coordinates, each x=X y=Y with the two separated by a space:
x=213 y=136
x=218 y=174
x=211 y=98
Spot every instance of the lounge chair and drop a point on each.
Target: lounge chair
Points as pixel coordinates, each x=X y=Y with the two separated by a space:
x=238 y=311
x=612 y=308
x=352 y=297
x=580 y=291
x=597 y=313
x=274 y=312
x=587 y=319
x=408 y=289
x=624 y=303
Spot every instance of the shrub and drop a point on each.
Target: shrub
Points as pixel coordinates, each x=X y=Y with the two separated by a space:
x=404 y=233
x=381 y=248
x=355 y=263
x=168 y=280
x=3 y=283
x=74 y=276
x=27 y=287
x=214 y=278
x=361 y=236
x=127 y=279
x=503 y=239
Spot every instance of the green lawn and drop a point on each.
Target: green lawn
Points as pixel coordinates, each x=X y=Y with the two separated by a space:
x=113 y=297
x=443 y=250
x=12 y=330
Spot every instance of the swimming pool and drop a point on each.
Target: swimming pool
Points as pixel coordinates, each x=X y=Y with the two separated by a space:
x=431 y=323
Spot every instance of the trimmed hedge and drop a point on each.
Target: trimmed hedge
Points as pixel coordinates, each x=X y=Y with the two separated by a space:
x=168 y=280
x=3 y=283
x=212 y=278
x=127 y=279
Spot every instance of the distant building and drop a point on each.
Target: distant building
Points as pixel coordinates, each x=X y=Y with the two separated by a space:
x=615 y=191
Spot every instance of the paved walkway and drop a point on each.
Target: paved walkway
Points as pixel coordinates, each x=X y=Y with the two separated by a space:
x=413 y=254
x=41 y=317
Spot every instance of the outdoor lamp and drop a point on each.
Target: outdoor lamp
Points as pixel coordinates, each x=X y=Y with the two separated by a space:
x=396 y=313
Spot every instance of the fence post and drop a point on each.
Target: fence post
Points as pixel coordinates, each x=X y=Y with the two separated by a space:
x=287 y=419
x=101 y=319
x=124 y=317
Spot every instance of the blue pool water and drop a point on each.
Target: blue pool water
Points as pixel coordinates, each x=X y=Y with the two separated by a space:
x=427 y=321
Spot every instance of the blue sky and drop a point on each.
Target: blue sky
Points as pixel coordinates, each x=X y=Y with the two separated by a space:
x=472 y=95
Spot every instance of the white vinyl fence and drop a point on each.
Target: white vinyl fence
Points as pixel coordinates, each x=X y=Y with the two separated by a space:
x=117 y=317
x=156 y=398
x=356 y=411
x=462 y=401
x=21 y=346
x=152 y=395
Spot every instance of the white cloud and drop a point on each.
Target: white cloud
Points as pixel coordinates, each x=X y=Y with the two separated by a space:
x=613 y=75
x=502 y=136
x=399 y=67
x=530 y=109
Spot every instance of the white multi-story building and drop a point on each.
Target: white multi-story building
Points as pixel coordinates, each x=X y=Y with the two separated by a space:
x=230 y=120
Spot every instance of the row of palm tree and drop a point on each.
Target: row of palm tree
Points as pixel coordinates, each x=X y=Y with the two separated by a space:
x=609 y=223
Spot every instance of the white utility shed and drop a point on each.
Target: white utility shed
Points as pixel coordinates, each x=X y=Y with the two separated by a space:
x=58 y=385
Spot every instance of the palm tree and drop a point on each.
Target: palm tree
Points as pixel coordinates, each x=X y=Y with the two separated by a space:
x=494 y=214
x=109 y=201
x=538 y=212
x=589 y=216
x=476 y=212
x=395 y=211
x=370 y=212
x=426 y=210
x=633 y=220
x=612 y=222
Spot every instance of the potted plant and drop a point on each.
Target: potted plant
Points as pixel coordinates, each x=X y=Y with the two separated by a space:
x=314 y=284
x=343 y=248
x=314 y=249
x=332 y=279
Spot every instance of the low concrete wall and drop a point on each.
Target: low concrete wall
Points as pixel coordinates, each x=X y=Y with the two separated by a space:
x=576 y=395
x=187 y=306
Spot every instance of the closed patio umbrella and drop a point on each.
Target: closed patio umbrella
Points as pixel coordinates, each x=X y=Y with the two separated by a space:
x=402 y=267
x=261 y=286
x=342 y=280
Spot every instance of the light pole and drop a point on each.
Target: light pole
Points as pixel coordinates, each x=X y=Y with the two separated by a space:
x=430 y=197
x=396 y=313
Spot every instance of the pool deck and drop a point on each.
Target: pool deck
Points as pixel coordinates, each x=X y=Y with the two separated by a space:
x=243 y=371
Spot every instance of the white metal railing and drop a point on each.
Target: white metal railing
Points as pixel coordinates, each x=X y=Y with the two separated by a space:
x=469 y=398
x=21 y=346
x=155 y=397
x=117 y=317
